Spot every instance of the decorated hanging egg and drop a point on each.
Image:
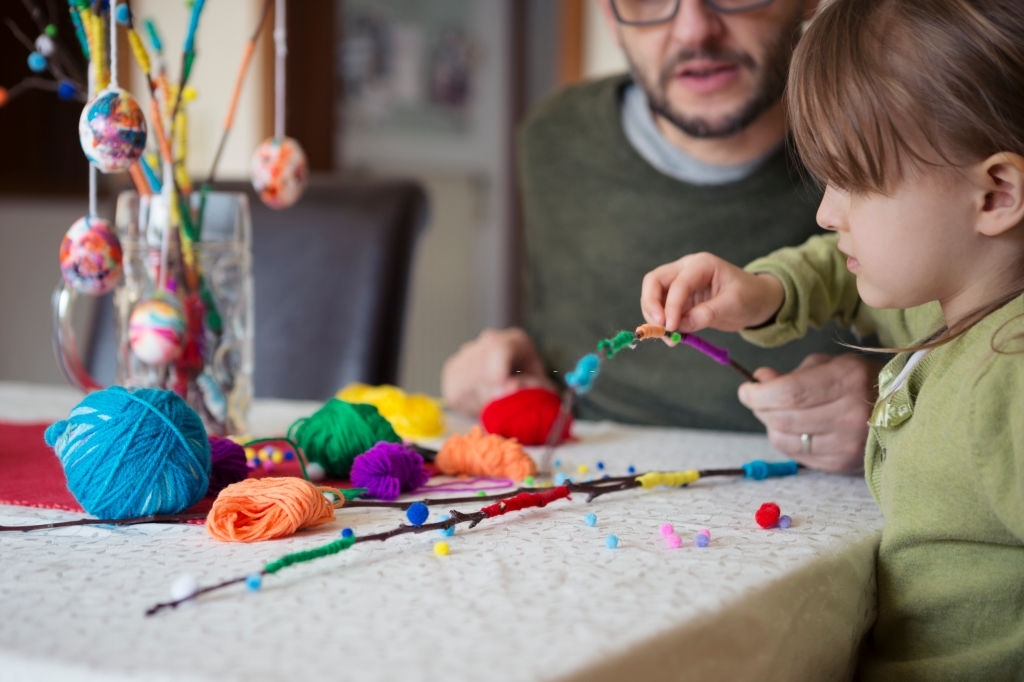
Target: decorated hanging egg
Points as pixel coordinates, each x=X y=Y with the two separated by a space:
x=112 y=130
x=90 y=256
x=156 y=330
x=279 y=171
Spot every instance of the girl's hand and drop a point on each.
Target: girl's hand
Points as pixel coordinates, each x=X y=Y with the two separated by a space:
x=701 y=290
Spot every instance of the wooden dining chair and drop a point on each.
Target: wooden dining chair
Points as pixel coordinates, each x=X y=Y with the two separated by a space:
x=331 y=278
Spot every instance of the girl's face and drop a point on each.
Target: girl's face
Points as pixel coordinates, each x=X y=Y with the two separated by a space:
x=914 y=245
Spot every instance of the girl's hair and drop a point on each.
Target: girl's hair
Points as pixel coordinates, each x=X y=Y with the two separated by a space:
x=881 y=88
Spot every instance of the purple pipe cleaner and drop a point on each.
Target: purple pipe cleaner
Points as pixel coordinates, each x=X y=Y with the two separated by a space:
x=387 y=470
x=719 y=355
x=227 y=464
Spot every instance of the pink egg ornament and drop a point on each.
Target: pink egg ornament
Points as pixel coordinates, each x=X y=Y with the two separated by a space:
x=279 y=171
x=90 y=256
x=156 y=330
x=112 y=130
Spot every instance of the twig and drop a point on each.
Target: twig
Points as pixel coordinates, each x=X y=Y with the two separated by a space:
x=152 y=518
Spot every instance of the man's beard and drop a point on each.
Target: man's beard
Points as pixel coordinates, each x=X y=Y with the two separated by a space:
x=767 y=92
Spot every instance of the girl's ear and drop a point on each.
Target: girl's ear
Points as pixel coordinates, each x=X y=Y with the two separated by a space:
x=1002 y=177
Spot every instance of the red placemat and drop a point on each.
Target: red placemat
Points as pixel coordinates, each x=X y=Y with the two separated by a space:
x=30 y=473
x=32 y=476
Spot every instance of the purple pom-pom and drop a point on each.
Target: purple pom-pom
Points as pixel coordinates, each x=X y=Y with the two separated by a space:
x=227 y=464
x=387 y=470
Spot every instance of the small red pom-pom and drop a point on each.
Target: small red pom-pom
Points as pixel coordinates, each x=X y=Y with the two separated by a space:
x=767 y=515
x=526 y=415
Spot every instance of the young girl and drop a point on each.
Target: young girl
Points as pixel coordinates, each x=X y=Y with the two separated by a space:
x=911 y=112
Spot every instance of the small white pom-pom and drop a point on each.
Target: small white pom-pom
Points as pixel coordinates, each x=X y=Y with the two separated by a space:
x=184 y=586
x=316 y=471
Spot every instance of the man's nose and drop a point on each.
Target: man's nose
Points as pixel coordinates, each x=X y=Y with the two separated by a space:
x=695 y=24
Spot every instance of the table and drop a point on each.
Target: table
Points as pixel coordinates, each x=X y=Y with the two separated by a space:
x=535 y=595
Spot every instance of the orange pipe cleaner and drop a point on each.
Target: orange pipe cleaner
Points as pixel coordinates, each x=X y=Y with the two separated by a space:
x=480 y=454
x=266 y=508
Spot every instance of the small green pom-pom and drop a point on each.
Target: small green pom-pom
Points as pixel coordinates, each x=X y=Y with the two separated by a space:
x=50 y=30
x=676 y=337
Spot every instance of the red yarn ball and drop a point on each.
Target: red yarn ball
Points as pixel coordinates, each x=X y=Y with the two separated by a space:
x=526 y=415
x=767 y=515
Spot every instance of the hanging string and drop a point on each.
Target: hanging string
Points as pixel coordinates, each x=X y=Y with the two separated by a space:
x=113 y=45
x=91 y=90
x=281 y=47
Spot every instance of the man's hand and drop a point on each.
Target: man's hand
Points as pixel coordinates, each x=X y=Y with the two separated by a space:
x=495 y=363
x=827 y=397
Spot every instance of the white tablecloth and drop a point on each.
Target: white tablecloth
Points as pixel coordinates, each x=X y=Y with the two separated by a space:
x=534 y=595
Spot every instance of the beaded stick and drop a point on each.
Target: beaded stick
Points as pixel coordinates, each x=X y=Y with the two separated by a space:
x=755 y=470
x=519 y=499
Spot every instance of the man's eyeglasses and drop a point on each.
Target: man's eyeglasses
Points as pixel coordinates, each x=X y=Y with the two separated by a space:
x=650 y=12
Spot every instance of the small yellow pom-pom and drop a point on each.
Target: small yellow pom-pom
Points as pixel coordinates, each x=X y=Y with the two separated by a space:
x=582 y=468
x=441 y=548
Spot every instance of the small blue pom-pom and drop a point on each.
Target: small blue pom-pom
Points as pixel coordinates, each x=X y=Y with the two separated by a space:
x=600 y=465
x=36 y=62
x=123 y=15
x=133 y=453
x=590 y=519
x=631 y=469
x=611 y=542
x=417 y=513
x=67 y=90
x=254 y=581
x=347 y=532
x=785 y=521
x=701 y=540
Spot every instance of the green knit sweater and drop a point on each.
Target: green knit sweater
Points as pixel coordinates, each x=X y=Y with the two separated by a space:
x=598 y=217
x=945 y=461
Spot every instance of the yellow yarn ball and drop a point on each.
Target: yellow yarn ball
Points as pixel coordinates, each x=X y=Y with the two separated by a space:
x=412 y=416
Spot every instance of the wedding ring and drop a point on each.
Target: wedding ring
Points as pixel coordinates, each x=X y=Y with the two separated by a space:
x=805 y=443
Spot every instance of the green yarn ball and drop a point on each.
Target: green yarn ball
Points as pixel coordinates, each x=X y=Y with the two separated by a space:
x=340 y=431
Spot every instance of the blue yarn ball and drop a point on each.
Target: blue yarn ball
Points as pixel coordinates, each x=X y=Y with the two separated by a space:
x=129 y=453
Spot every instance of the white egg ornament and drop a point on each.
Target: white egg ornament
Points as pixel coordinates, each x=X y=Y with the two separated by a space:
x=279 y=171
x=112 y=130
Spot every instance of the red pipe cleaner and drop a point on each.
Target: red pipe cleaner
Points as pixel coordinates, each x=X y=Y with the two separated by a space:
x=526 y=500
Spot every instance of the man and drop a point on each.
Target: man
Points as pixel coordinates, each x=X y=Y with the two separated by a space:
x=686 y=154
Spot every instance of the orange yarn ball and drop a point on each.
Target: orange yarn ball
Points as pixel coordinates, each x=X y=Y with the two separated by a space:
x=480 y=454
x=526 y=415
x=265 y=508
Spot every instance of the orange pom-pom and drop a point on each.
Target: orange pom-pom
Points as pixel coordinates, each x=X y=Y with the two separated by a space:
x=526 y=415
x=4 y=96
x=480 y=454
x=265 y=508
